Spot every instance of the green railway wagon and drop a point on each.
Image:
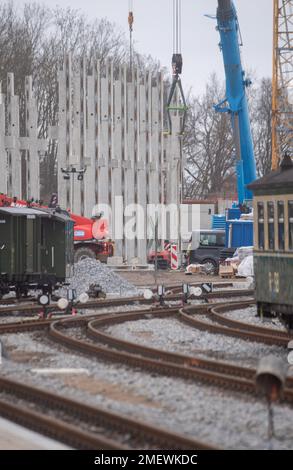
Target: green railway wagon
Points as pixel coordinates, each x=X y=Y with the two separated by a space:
x=274 y=287
x=36 y=249
x=273 y=242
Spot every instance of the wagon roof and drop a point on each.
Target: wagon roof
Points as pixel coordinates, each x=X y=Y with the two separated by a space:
x=28 y=211
x=279 y=179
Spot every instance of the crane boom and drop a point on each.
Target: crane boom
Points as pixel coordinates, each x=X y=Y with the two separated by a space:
x=282 y=99
x=235 y=102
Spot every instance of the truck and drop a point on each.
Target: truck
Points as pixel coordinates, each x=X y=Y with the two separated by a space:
x=91 y=236
x=206 y=247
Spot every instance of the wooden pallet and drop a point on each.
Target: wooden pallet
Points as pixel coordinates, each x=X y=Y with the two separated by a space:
x=227 y=276
x=226 y=272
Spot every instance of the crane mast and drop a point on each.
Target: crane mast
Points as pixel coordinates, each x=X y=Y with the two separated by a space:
x=235 y=102
x=282 y=99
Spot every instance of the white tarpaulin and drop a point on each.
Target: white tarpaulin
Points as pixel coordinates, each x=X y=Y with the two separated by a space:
x=245 y=268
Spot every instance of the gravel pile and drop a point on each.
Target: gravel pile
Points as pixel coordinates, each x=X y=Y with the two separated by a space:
x=230 y=420
x=89 y=271
x=171 y=335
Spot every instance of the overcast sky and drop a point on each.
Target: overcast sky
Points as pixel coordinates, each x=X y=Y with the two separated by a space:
x=153 y=32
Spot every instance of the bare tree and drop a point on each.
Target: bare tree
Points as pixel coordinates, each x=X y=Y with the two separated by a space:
x=34 y=41
x=208 y=144
x=261 y=119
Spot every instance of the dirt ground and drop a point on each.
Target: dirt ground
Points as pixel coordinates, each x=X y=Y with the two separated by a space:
x=168 y=278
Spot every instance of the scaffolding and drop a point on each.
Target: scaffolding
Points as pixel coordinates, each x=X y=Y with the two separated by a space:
x=282 y=100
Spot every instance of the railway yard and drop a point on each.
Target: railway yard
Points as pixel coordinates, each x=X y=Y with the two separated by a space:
x=146 y=237
x=128 y=373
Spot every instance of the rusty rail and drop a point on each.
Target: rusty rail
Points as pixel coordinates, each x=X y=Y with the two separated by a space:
x=142 y=435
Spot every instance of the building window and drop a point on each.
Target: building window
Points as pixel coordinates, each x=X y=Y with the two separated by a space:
x=261 y=231
x=290 y=214
x=271 y=225
x=281 y=225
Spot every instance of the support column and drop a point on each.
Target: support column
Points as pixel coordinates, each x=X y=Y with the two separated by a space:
x=161 y=85
x=154 y=162
x=33 y=160
x=117 y=216
x=90 y=160
x=174 y=169
x=174 y=163
x=14 y=156
x=129 y=170
x=75 y=157
x=64 y=130
x=142 y=173
x=3 y=153
x=103 y=159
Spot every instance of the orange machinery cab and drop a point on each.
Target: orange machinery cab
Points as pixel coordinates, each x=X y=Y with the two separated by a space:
x=92 y=234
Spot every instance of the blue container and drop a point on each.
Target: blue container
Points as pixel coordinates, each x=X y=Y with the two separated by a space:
x=219 y=222
x=233 y=214
x=239 y=233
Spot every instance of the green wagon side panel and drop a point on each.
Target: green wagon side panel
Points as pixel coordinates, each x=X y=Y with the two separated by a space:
x=34 y=245
x=274 y=279
x=56 y=247
x=6 y=245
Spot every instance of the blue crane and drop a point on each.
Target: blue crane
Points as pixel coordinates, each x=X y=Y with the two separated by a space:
x=235 y=102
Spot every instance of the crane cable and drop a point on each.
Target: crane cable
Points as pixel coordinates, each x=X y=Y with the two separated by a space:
x=176 y=26
x=177 y=64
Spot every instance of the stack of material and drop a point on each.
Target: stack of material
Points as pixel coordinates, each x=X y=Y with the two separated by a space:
x=89 y=271
x=241 y=264
x=226 y=271
x=194 y=269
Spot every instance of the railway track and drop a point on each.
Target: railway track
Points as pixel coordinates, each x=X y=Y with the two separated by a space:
x=15 y=301
x=153 y=360
x=176 y=289
x=83 y=426
x=216 y=314
x=227 y=326
x=25 y=308
x=39 y=324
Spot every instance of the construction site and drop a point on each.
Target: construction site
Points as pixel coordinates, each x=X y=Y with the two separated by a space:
x=146 y=230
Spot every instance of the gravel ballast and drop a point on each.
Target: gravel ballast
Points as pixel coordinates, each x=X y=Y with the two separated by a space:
x=230 y=420
x=249 y=315
x=171 y=335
